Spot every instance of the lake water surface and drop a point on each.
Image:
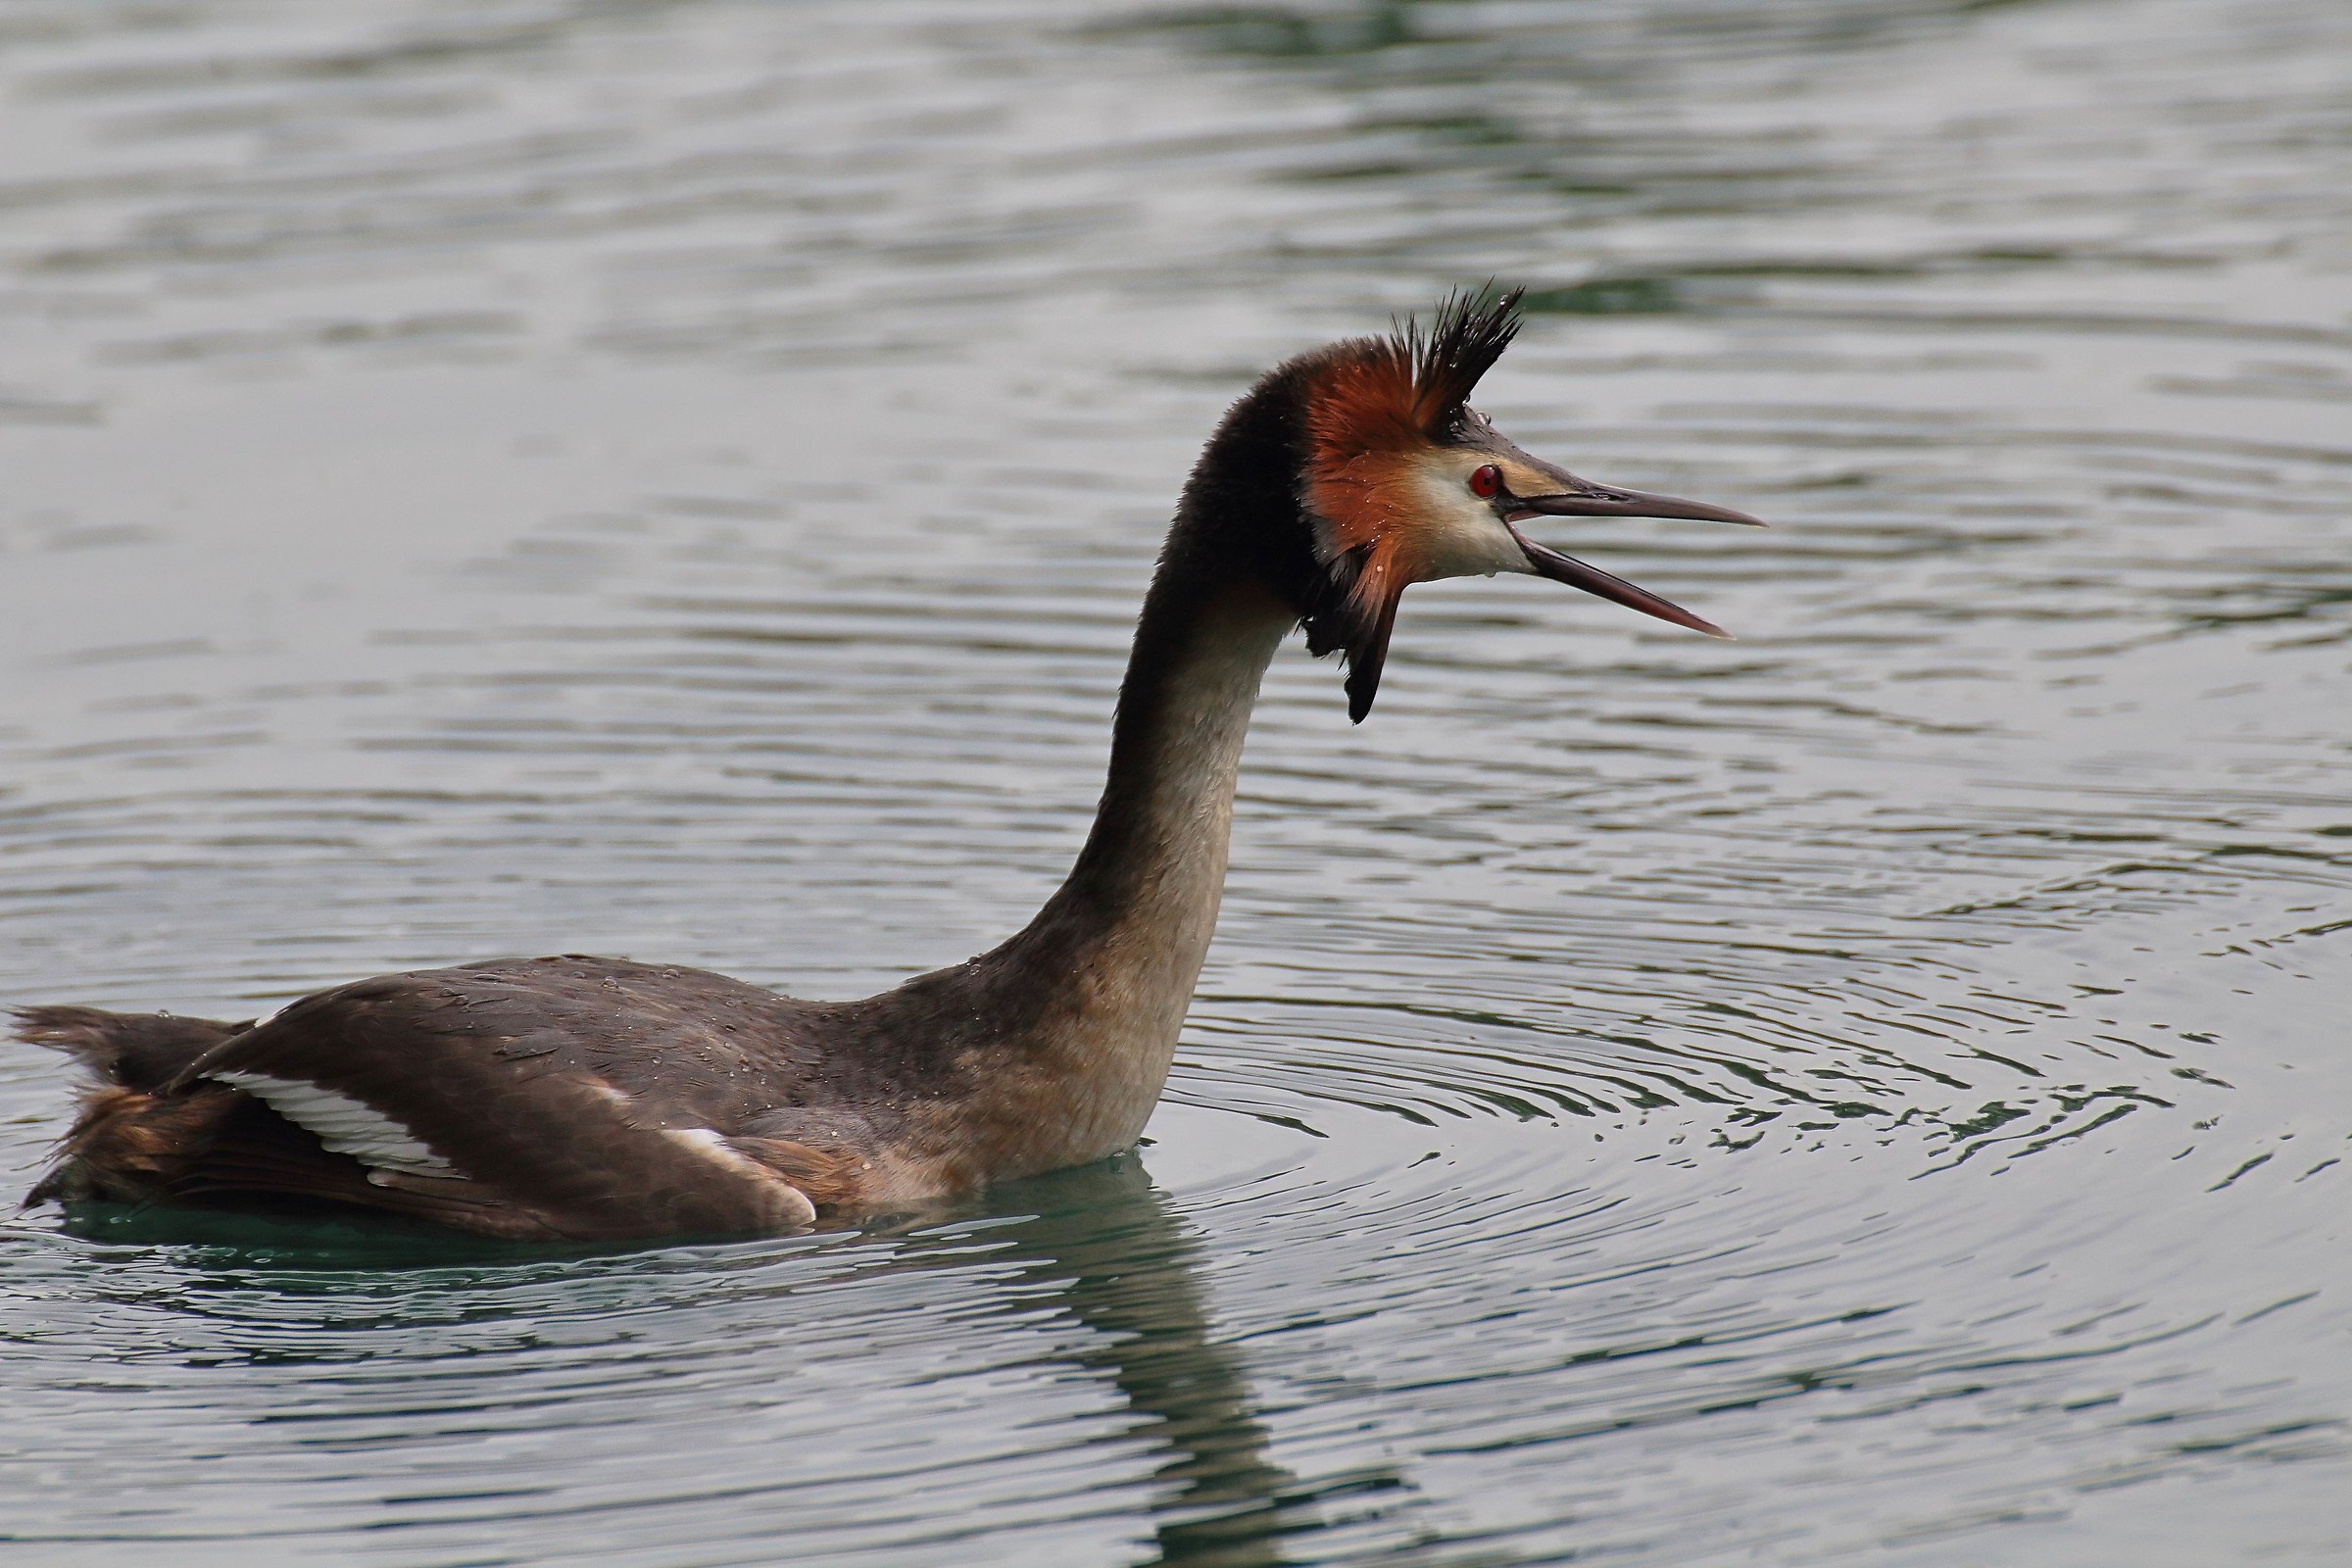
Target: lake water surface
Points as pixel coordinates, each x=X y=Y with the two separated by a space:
x=674 y=480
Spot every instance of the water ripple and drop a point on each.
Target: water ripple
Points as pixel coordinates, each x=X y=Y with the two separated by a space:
x=676 y=480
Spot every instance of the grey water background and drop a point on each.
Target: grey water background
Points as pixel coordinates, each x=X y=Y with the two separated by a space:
x=674 y=479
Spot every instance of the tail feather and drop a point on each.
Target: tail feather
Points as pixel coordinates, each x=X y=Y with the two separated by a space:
x=142 y=1051
x=131 y=1146
x=131 y=1143
x=140 y=1140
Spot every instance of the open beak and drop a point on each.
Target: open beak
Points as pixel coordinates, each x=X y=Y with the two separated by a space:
x=1580 y=498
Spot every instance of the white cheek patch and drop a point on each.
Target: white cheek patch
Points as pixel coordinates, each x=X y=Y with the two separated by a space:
x=1457 y=533
x=344 y=1125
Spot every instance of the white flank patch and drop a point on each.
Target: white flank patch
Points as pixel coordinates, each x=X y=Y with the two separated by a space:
x=343 y=1124
x=711 y=1146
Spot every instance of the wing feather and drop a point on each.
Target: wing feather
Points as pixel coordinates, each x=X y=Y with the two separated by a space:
x=572 y=1097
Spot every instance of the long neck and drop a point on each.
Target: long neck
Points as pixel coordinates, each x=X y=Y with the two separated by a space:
x=1143 y=896
x=1124 y=938
x=1122 y=942
x=1084 y=1006
x=1053 y=1048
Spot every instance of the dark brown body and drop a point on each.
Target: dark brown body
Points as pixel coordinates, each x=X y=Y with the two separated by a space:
x=577 y=1097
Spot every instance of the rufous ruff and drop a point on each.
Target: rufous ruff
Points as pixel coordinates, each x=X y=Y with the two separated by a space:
x=597 y=1099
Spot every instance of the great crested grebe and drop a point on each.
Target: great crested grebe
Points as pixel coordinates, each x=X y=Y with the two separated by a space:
x=598 y=1098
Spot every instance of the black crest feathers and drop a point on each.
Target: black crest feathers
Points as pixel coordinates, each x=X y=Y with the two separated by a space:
x=1468 y=334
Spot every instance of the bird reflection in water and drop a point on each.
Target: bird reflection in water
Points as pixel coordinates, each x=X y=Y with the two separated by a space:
x=1106 y=1243
x=1100 y=1243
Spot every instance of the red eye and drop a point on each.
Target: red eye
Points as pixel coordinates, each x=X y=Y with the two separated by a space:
x=1486 y=480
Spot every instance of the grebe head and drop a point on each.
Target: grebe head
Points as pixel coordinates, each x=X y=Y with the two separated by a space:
x=1402 y=481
